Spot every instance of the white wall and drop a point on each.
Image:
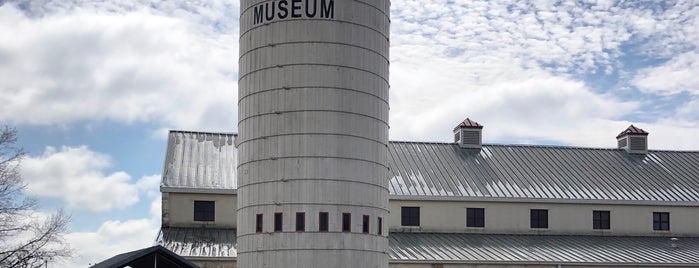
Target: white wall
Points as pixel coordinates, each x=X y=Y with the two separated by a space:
x=504 y=217
x=179 y=209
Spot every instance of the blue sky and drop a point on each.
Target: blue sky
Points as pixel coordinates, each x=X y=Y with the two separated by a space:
x=94 y=86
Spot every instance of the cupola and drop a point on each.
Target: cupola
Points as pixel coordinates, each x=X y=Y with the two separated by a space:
x=468 y=134
x=634 y=140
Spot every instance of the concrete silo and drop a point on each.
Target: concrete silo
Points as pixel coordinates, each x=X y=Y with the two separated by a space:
x=313 y=133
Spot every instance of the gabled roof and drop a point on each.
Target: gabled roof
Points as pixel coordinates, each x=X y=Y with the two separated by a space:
x=468 y=123
x=206 y=162
x=155 y=256
x=632 y=130
x=542 y=173
x=541 y=249
x=200 y=162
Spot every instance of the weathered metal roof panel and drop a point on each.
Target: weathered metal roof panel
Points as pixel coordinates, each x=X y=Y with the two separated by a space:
x=426 y=170
x=200 y=160
x=524 y=249
x=199 y=242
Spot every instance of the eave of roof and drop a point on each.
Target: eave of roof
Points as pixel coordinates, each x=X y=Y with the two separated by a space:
x=464 y=248
x=541 y=249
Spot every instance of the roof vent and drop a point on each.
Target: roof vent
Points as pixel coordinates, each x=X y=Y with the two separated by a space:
x=468 y=134
x=634 y=140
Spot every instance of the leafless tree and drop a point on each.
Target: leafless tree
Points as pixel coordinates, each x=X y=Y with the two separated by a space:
x=27 y=239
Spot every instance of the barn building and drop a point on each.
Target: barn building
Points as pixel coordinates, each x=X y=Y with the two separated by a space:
x=466 y=204
x=311 y=179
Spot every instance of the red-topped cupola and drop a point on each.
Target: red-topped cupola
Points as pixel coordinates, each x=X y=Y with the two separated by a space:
x=634 y=140
x=468 y=134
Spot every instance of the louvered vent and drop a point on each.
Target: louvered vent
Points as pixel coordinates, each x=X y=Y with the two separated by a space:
x=634 y=140
x=471 y=137
x=622 y=143
x=467 y=134
x=637 y=143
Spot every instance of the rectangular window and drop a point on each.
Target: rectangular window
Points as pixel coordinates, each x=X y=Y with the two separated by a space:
x=475 y=217
x=346 y=222
x=379 y=225
x=539 y=218
x=661 y=221
x=300 y=222
x=410 y=216
x=204 y=210
x=365 y=224
x=258 y=223
x=323 y=222
x=600 y=220
x=278 y=222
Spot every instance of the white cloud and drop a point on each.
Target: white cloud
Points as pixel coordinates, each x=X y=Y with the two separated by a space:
x=112 y=238
x=522 y=70
x=677 y=75
x=78 y=176
x=135 y=66
x=514 y=103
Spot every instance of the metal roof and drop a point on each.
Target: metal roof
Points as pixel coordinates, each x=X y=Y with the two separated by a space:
x=539 y=249
x=196 y=243
x=524 y=172
x=468 y=123
x=199 y=242
x=205 y=162
x=632 y=130
x=200 y=162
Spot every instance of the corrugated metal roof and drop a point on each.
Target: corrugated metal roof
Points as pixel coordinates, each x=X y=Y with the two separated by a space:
x=197 y=161
x=523 y=172
x=199 y=242
x=524 y=249
x=474 y=248
x=200 y=160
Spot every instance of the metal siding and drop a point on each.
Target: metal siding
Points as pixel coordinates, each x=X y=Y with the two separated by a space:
x=313 y=122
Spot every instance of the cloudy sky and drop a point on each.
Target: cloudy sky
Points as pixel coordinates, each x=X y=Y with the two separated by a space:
x=93 y=88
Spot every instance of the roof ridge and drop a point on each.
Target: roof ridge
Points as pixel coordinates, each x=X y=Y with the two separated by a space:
x=202 y=132
x=546 y=146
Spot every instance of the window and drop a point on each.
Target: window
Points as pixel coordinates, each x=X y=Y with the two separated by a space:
x=475 y=217
x=346 y=222
x=600 y=220
x=661 y=221
x=539 y=218
x=323 y=222
x=365 y=224
x=410 y=216
x=258 y=223
x=300 y=221
x=204 y=210
x=278 y=222
x=379 y=225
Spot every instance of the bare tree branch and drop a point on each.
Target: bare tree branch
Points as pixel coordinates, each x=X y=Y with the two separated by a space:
x=26 y=238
